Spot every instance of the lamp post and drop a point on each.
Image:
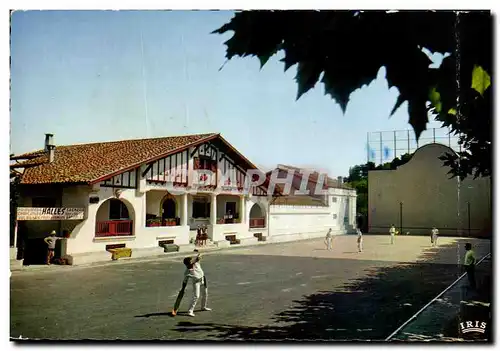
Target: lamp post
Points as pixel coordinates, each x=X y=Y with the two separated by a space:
x=468 y=215
x=401 y=217
x=468 y=209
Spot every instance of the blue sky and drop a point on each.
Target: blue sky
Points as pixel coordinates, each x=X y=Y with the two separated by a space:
x=85 y=77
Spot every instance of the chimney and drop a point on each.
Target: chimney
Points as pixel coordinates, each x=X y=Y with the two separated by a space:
x=52 y=152
x=340 y=181
x=48 y=141
x=50 y=147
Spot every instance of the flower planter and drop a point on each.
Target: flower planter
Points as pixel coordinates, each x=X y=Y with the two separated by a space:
x=170 y=223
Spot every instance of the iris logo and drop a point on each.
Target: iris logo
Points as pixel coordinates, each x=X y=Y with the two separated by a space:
x=475 y=326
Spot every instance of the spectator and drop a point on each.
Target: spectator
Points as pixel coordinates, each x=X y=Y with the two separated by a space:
x=51 y=243
x=470 y=265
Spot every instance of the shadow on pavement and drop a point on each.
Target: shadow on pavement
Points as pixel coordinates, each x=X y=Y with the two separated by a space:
x=158 y=314
x=369 y=308
x=475 y=307
x=455 y=251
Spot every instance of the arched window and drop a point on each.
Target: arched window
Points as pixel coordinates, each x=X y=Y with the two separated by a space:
x=114 y=218
x=257 y=217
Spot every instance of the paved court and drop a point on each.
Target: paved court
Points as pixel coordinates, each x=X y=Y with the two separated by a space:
x=295 y=290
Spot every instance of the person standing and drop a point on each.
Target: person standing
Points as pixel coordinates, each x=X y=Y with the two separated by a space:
x=360 y=240
x=392 y=232
x=51 y=245
x=434 y=236
x=204 y=236
x=198 y=236
x=328 y=239
x=470 y=265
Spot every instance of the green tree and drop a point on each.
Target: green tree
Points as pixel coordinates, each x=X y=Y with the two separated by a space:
x=344 y=50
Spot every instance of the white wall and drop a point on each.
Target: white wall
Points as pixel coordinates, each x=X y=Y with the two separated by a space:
x=280 y=220
x=82 y=238
x=315 y=220
x=291 y=219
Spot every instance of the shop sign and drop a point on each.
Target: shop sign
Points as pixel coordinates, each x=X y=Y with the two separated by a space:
x=49 y=213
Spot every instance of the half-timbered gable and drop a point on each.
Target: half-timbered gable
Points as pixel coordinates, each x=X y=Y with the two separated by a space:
x=205 y=171
x=233 y=169
x=233 y=175
x=127 y=180
x=172 y=169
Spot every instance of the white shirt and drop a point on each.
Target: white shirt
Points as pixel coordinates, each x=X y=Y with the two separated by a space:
x=435 y=231
x=196 y=273
x=392 y=231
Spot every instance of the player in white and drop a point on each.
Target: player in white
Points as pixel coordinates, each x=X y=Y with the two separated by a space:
x=360 y=240
x=328 y=239
x=434 y=236
x=195 y=273
x=392 y=232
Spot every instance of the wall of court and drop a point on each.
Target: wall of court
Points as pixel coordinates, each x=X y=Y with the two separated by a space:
x=429 y=198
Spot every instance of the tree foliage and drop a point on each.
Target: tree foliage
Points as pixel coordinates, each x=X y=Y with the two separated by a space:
x=344 y=50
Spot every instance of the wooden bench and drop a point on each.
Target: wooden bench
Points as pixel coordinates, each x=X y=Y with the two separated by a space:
x=259 y=236
x=168 y=245
x=232 y=239
x=170 y=248
x=119 y=251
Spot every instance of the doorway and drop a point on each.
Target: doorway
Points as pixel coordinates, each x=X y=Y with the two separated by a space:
x=168 y=209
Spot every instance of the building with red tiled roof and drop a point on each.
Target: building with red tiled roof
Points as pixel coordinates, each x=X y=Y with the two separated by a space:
x=147 y=193
x=89 y=163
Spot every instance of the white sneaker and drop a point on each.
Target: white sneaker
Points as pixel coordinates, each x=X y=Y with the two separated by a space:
x=190 y=313
x=206 y=309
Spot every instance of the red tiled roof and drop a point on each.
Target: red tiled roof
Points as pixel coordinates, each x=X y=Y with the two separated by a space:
x=299 y=200
x=89 y=162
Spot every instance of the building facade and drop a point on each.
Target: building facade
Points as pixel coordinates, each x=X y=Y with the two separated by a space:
x=145 y=193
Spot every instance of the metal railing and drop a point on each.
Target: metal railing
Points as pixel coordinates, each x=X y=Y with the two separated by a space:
x=257 y=222
x=113 y=228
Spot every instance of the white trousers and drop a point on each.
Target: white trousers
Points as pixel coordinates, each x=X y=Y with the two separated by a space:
x=329 y=243
x=434 y=240
x=360 y=245
x=197 y=285
x=392 y=239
